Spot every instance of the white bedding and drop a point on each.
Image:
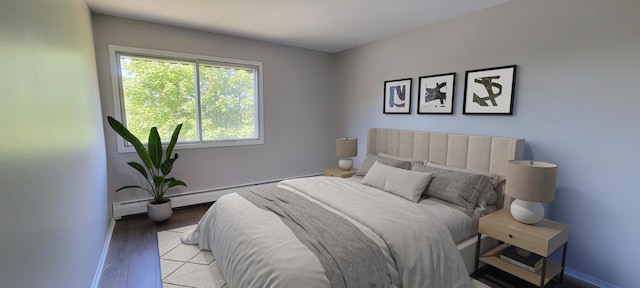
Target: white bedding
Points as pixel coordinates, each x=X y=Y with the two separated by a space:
x=459 y=224
x=253 y=248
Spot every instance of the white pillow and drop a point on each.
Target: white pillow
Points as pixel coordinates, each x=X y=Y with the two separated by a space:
x=372 y=158
x=404 y=183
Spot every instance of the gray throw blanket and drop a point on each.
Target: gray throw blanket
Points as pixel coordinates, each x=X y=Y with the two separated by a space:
x=348 y=256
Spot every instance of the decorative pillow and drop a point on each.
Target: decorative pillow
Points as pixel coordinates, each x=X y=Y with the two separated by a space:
x=495 y=178
x=404 y=183
x=396 y=157
x=460 y=188
x=482 y=211
x=488 y=198
x=372 y=158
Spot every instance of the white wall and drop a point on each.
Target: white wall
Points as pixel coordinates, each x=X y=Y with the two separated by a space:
x=576 y=103
x=53 y=205
x=297 y=108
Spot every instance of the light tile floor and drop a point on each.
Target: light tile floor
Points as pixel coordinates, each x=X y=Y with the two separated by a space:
x=185 y=266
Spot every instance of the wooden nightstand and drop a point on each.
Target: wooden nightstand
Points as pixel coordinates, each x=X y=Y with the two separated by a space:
x=337 y=172
x=543 y=239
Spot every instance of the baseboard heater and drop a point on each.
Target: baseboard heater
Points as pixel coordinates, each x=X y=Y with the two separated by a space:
x=132 y=207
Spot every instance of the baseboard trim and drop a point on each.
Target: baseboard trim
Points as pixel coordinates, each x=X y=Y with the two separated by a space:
x=125 y=208
x=589 y=279
x=103 y=257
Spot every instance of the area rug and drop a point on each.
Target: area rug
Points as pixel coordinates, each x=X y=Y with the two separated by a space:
x=185 y=266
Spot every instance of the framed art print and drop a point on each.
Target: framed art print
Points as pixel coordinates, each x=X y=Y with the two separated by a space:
x=397 y=96
x=436 y=94
x=490 y=91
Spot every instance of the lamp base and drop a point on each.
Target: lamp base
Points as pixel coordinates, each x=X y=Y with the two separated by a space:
x=527 y=212
x=345 y=163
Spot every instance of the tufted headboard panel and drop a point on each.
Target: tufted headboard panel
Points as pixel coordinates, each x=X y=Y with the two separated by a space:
x=479 y=153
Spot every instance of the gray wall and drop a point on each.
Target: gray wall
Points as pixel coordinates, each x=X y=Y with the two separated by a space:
x=576 y=103
x=54 y=215
x=297 y=108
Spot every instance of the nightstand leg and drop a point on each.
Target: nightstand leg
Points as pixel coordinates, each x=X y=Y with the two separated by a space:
x=564 y=256
x=544 y=271
x=475 y=267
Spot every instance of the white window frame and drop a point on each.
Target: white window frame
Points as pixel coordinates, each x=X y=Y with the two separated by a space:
x=118 y=97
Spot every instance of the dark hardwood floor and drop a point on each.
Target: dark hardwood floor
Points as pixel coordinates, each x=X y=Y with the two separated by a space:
x=133 y=261
x=497 y=278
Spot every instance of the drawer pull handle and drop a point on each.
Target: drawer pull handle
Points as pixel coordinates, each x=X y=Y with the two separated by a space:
x=510 y=236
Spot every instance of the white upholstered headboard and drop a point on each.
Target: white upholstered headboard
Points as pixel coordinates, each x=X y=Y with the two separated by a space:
x=480 y=153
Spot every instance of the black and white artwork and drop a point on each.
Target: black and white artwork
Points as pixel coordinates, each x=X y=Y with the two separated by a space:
x=397 y=96
x=490 y=91
x=436 y=94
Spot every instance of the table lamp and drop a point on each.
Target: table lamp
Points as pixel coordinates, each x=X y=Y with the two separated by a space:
x=530 y=182
x=346 y=148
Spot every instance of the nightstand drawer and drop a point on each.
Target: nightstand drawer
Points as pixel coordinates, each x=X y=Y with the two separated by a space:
x=542 y=238
x=520 y=239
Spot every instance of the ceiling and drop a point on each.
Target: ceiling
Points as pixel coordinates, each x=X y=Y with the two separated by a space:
x=324 y=25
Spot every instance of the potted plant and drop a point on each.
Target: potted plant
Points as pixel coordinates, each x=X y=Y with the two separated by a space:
x=154 y=168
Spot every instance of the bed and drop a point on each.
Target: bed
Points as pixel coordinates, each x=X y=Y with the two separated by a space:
x=378 y=229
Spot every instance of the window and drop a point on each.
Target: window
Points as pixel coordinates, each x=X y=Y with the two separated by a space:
x=218 y=101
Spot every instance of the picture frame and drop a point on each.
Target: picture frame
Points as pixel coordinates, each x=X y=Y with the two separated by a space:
x=436 y=94
x=397 y=96
x=490 y=91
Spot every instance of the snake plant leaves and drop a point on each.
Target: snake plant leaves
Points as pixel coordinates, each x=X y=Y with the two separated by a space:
x=167 y=165
x=158 y=181
x=130 y=186
x=174 y=140
x=155 y=147
x=155 y=169
x=140 y=168
x=176 y=183
x=127 y=136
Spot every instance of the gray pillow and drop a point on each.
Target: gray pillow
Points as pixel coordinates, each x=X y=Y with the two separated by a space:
x=459 y=188
x=372 y=158
x=495 y=178
x=487 y=197
x=397 y=157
